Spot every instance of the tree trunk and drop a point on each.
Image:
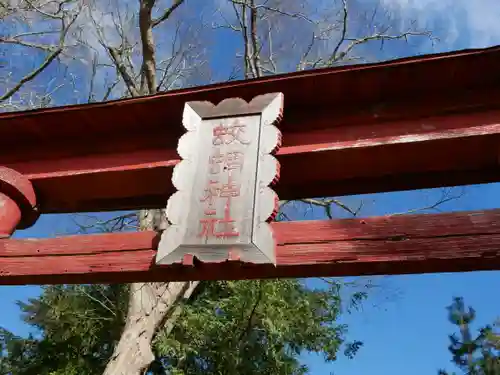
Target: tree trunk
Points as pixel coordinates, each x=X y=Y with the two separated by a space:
x=151 y=307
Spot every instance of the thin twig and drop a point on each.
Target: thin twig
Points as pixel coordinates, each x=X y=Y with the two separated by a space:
x=43 y=47
x=65 y=27
x=274 y=10
x=167 y=13
x=344 y=31
x=82 y=290
x=446 y=196
x=51 y=57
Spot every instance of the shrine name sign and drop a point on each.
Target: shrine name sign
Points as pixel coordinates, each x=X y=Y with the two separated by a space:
x=224 y=201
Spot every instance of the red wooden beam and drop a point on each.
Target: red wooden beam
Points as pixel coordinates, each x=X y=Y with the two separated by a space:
x=453 y=242
x=415 y=123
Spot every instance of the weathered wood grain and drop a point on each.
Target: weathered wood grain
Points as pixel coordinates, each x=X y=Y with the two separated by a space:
x=461 y=241
x=222 y=205
x=347 y=160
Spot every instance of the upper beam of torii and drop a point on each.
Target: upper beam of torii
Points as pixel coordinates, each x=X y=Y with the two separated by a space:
x=414 y=123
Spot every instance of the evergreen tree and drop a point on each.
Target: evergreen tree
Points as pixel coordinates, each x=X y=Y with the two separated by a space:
x=242 y=327
x=76 y=328
x=479 y=355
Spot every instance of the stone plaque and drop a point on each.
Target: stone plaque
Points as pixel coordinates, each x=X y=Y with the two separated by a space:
x=223 y=204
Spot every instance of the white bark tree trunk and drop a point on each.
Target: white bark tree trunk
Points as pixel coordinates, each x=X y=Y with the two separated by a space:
x=152 y=306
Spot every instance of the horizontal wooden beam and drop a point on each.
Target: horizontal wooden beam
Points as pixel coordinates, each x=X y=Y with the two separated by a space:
x=436 y=151
x=463 y=241
x=357 y=129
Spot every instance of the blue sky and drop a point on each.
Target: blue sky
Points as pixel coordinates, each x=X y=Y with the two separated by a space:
x=404 y=323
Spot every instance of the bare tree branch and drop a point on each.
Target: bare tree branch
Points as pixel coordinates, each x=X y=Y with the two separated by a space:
x=167 y=13
x=272 y=9
x=56 y=51
x=148 y=68
x=327 y=202
x=383 y=37
x=118 y=223
x=176 y=66
x=303 y=61
x=43 y=47
x=90 y=97
x=31 y=75
x=255 y=57
x=124 y=70
x=55 y=16
x=109 y=90
x=343 y=33
x=120 y=66
x=447 y=195
x=82 y=290
x=242 y=19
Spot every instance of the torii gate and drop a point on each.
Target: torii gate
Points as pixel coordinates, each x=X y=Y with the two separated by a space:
x=415 y=123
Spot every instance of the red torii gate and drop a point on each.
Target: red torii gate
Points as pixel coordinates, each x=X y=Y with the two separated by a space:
x=414 y=123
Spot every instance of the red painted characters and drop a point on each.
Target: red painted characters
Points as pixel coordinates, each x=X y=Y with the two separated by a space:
x=228 y=134
x=225 y=164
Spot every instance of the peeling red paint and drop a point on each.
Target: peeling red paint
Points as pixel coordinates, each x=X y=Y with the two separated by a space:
x=449 y=242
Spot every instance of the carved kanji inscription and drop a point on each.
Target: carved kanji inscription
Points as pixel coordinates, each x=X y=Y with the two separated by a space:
x=224 y=202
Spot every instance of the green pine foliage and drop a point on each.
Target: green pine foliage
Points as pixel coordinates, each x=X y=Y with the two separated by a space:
x=474 y=355
x=234 y=327
x=75 y=326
